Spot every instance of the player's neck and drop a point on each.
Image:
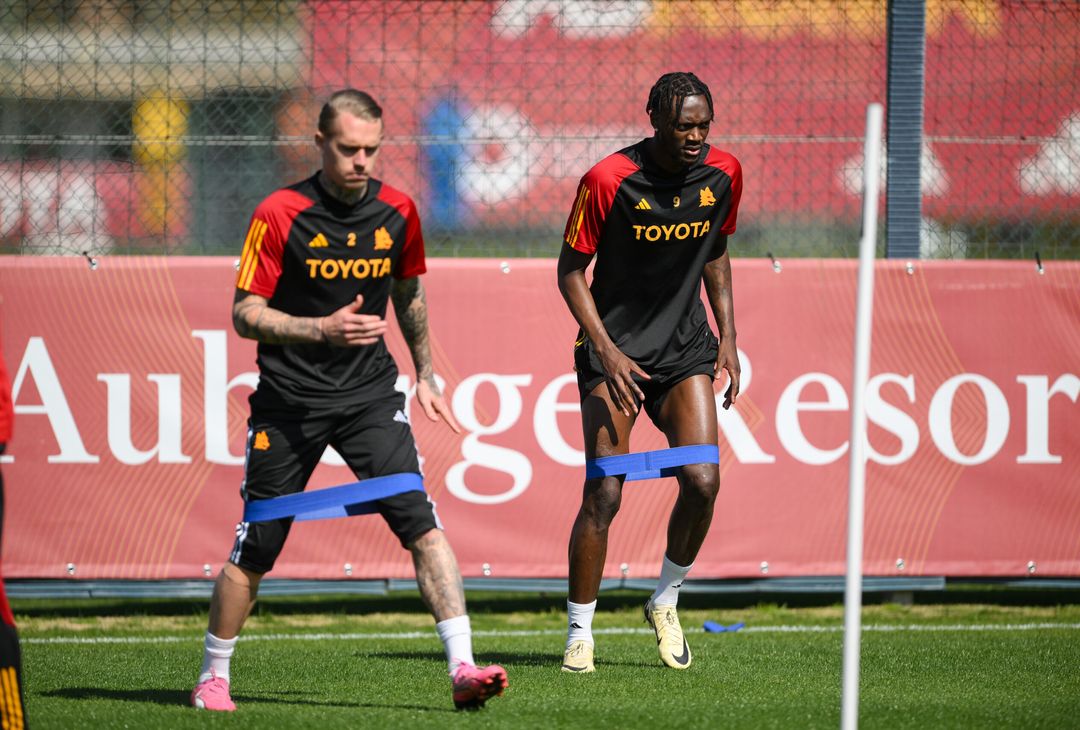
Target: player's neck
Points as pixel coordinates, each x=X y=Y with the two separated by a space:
x=665 y=163
x=349 y=196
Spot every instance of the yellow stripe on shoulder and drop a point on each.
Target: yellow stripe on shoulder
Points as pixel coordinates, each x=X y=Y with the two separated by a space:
x=579 y=213
x=249 y=266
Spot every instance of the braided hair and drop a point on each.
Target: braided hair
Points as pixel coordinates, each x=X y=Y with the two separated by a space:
x=670 y=90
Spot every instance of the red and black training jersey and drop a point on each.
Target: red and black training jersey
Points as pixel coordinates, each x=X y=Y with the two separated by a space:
x=310 y=254
x=652 y=232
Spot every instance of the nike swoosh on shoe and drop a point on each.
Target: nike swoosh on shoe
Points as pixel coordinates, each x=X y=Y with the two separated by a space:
x=685 y=656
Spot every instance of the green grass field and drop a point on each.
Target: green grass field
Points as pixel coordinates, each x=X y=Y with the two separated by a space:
x=332 y=662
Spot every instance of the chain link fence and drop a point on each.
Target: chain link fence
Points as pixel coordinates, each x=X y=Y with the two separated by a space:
x=156 y=126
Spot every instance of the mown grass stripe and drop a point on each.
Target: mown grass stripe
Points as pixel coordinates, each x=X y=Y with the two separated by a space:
x=545 y=632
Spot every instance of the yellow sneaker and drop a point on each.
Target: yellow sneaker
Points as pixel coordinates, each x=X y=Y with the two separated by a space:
x=578 y=657
x=670 y=641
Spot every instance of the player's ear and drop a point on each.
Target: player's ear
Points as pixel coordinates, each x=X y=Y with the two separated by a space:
x=320 y=140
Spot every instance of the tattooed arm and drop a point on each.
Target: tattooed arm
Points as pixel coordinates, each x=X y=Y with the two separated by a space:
x=255 y=319
x=410 y=305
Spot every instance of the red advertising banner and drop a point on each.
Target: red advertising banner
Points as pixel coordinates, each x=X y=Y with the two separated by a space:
x=130 y=396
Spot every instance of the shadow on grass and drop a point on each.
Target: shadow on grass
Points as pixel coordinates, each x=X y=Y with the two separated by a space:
x=528 y=659
x=167 y=697
x=172 y=698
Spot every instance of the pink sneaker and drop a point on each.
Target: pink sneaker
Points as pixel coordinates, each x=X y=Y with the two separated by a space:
x=213 y=694
x=473 y=686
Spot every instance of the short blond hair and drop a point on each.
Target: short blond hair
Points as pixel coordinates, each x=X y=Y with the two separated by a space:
x=355 y=102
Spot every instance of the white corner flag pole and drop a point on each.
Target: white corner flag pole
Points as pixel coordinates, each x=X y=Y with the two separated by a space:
x=864 y=306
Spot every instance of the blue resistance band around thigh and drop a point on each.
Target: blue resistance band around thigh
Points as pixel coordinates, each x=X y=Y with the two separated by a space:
x=652 y=464
x=357 y=498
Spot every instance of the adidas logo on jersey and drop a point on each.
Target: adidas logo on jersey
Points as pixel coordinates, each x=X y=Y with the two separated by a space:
x=400 y=417
x=643 y=205
x=318 y=242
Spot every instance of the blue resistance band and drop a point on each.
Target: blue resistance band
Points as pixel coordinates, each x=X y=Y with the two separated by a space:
x=652 y=464
x=357 y=498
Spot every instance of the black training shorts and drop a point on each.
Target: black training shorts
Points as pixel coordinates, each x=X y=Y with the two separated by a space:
x=374 y=439
x=700 y=360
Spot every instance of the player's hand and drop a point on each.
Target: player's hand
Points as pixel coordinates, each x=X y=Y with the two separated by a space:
x=348 y=328
x=434 y=405
x=625 y=393
x=728 y=359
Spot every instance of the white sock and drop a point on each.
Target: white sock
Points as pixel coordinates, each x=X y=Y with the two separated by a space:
x=456 y=636
x=216 y=656
x=579 y=620
x=671 y=580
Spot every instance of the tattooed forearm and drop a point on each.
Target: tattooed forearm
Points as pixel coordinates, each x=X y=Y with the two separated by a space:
x=410 y=305
x=254 y=319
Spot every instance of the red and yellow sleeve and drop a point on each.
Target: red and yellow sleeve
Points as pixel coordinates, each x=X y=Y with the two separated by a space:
x=576 y=222
x=595 y=196
x=255 y=261
x=586 y=220
x=264 y=244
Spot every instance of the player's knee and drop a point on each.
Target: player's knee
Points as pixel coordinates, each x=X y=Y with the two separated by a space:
x=602 y=501
x=700 y=483
x=430 y=539
x=242 y=576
